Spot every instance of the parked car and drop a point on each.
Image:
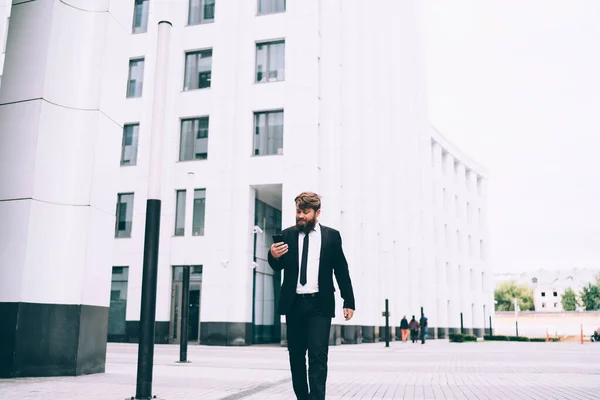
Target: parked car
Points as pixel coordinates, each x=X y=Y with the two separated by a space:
x=596 y=336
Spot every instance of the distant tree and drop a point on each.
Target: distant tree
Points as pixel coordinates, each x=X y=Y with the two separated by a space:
x=569 y=300
x=507 y=291
x=590 y=297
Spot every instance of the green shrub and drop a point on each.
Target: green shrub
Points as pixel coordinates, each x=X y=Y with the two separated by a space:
x=460 y=337
x=496 y=337
x=518 y=339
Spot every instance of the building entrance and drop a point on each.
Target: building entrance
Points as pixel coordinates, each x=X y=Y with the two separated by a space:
x=194 y=304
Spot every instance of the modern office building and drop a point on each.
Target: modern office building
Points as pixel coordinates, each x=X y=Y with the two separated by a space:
x=4 y=21
x=265 y=99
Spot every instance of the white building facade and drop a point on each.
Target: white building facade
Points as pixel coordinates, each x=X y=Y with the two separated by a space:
x=265 y=99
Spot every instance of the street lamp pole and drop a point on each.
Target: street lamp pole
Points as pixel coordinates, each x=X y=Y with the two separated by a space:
x=153 y=206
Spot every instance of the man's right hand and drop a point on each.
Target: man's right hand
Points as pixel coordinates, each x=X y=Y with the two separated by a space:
x=278 y=249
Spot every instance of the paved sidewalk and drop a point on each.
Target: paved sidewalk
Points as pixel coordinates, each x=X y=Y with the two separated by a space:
x=437 y=370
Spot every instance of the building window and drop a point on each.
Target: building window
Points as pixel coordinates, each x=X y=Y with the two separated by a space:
x=193 y=142
x=198 y=68
x=458 y=242
x=543 y=294
x=479 y=220
x=271 y=6
x=433 y=153
x=457 y=205
x=479 y=186
x=195 y=273
x=130 y=144
x=471 y=246
x=472 y=278
x=483 y=285
x=270 y=61
x=124 y=215
x=543 y=305
x=140 y=16
x=118 y=302
x=456 y=164
x=118 y=289
x=481 y=250
x=555 y=294
x=467 y=176
x=444 y=162
x=201 y=12
x=446 y=236
x=555 y=305
x=136 y=78
x=199 y=211
x=445 y=198
x=268 y=133
x=469 y=213
x=180 y=213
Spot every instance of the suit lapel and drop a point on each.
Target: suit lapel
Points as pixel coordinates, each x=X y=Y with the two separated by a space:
x=294 y=251
x=324 y=238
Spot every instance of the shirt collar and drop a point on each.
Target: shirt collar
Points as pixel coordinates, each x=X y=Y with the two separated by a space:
x=316 y=229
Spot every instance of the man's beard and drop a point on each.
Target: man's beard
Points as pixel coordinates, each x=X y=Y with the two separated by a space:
x=307 y=227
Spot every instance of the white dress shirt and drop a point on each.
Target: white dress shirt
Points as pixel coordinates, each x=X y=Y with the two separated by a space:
x=312 y=265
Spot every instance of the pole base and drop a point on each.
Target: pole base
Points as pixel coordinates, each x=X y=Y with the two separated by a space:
x=183 y=362
x=153 y=397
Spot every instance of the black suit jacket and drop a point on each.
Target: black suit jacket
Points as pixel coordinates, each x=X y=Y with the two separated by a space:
x=332 y=260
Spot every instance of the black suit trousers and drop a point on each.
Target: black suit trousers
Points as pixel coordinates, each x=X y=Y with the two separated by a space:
x=308 y=329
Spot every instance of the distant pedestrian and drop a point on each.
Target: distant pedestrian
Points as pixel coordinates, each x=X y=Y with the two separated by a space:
x=414 y=329
x=423 y=325
x=404 y=328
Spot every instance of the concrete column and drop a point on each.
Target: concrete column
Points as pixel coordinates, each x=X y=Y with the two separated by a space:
x=59 y=156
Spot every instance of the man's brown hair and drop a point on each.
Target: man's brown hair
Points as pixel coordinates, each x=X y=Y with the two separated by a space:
x=307 y=200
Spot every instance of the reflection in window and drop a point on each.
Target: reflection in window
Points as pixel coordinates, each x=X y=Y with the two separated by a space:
x=268 y=133
x=140 y=16
x=271 y=6
x=130 y=144
x=270 y=62
x=135 y=82
x=198 y=68
x=199 y=211
x=124 y=215
x=194 y=139
x=201 y=12
x=180 y=213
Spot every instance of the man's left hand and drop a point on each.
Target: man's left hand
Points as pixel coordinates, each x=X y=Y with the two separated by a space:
x=348 y=313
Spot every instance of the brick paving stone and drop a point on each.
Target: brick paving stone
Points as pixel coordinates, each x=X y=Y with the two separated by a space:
x=439 y=370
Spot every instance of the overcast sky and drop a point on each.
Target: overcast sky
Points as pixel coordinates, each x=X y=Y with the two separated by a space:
x=516 y=84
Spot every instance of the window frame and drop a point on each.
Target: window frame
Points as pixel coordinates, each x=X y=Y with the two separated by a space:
x=143 y=28
x=202 y=231
x=202 y=21
x=185 y=72
x=117 y=213
x=131 y=60
x=268 y=43
x=260 y=14
x=175 y=228
x=134 y=140
x=181 y=122
x=254 y=125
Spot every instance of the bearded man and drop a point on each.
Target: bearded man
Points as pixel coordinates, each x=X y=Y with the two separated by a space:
x=309 y=255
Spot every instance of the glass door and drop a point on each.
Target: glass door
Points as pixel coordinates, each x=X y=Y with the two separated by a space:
x=193 y=305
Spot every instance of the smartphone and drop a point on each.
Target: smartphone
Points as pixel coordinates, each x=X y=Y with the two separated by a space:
x=277 y=238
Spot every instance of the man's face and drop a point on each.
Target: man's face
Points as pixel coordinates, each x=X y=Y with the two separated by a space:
x=306 y=219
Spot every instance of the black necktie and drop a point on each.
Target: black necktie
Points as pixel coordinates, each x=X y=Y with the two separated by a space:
x=304 y=260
